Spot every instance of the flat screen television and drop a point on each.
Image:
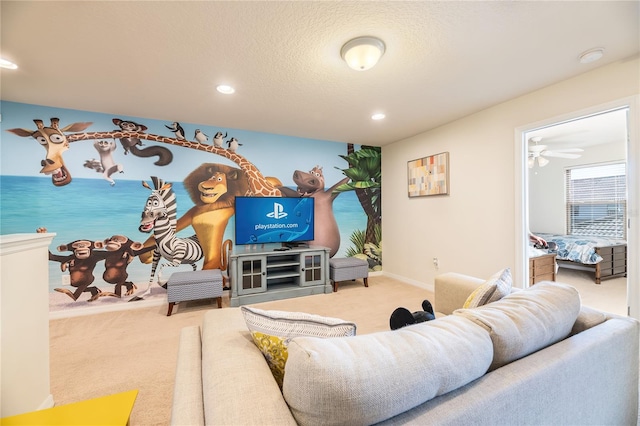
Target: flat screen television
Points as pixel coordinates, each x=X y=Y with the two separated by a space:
x=262 y=220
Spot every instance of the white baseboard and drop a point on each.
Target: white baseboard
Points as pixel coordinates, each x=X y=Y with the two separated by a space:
x=425 y=286
x=47 y=403
x=68 y=313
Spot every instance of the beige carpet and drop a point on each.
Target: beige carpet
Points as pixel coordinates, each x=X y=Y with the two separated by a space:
x=609 y=296
x=106 y=353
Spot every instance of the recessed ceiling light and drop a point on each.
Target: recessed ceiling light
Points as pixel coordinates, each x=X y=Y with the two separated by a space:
x=226 y=89
x=378 y=116
x=7 y=64
x=591 y=55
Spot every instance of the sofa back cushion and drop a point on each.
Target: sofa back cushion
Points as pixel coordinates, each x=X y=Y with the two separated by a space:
x=369 y=378
x=528 y=320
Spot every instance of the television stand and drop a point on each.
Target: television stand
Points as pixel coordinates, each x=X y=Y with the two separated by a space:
x=295 y=245
x=262 y=275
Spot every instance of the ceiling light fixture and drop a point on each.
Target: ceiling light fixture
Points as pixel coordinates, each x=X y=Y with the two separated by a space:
x=591 y=55
x=7 y=64
x=226 y=89
x=378 y=116
x=362 y=53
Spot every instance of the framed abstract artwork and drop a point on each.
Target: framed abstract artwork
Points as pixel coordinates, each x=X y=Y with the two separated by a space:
x=429 y=175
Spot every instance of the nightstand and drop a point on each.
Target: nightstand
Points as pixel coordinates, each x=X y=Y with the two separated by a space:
x=542 y=268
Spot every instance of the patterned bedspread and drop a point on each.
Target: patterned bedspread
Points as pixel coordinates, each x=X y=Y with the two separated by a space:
x=578 y=248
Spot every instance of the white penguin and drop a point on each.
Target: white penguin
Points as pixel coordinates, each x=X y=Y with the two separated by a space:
x=201 y=137
x=233 y=144
x=177 y=129
x=218 y=139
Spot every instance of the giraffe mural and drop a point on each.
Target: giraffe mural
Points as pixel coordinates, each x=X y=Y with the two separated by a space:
x=258 y=184
x=54 y=140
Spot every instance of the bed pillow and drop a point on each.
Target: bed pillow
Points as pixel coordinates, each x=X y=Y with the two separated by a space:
x=272 y=331
x=495 y=288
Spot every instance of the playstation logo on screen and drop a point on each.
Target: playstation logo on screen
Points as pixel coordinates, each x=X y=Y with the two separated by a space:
x=278 y=211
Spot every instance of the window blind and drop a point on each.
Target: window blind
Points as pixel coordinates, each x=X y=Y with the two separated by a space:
x=597 y=200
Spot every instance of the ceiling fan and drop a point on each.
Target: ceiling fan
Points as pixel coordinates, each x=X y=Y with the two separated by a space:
x=538 y=153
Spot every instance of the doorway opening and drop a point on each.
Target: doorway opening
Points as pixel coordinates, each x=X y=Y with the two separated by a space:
x=578 y=193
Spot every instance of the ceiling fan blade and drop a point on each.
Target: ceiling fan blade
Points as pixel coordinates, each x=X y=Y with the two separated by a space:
x=569 y=150
x=537 y=148
x=560 y=154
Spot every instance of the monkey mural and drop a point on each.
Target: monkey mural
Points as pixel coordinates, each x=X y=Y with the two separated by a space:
x=55 y=142
x=121 y=251
x=81 y=263
x=212 y=188
x=311 y=184
x=131 y=144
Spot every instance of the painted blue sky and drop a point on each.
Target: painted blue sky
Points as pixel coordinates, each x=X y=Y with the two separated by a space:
x=275 y=155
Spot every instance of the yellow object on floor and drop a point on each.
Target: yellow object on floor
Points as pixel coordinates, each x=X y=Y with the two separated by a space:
x=107 y=410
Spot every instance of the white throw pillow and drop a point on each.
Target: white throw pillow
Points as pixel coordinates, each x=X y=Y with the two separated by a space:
x=272 y=330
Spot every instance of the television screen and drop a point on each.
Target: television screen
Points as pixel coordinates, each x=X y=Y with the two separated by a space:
x=261 y=220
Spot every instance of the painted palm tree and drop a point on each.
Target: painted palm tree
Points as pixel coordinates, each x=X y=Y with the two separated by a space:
x=366 y=180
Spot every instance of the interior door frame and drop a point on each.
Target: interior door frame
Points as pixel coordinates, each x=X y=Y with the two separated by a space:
x=521 y=272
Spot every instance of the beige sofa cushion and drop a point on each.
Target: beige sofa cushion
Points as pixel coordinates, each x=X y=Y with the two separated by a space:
x=369 y=378
x=587 y=318
x=528 y=320
x=237 y=385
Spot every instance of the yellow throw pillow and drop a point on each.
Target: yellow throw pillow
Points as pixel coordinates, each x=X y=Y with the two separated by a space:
x=495 y=288
x=272 y=330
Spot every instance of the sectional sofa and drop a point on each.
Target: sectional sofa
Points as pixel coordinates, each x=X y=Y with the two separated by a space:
x=535 y=356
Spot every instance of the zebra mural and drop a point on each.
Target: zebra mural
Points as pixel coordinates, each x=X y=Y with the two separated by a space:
x=159 y=215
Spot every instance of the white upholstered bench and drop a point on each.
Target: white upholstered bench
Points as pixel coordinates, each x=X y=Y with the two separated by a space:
x=194 y=285
x=348 y=268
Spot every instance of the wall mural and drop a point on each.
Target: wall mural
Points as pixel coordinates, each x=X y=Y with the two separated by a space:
x=86 y=187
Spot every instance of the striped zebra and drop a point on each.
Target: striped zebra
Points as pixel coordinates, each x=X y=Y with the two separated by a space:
x=159 y=215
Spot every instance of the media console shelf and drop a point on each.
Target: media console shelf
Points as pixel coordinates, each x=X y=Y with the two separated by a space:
x=262 y=274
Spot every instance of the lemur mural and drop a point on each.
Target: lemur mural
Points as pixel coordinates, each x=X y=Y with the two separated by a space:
x=211 y=187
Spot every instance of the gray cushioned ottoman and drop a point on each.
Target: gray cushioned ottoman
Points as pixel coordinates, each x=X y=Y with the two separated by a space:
x=194 y=285
x=348 y=268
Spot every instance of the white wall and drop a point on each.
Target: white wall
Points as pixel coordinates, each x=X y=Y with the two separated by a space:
x=473 y=230
x=24 y=318
x=547 y=212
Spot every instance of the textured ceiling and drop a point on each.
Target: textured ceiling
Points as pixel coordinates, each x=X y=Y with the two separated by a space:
x=162 y=60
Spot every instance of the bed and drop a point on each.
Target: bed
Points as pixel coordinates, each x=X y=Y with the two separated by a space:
x=607 y=258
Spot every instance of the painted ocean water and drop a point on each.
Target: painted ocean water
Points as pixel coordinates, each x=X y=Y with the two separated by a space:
x=28 y=203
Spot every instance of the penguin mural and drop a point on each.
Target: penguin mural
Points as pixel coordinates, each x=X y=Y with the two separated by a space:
x=177 y=129
x=233 y=144
x=201 y=137
x=218 y=140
